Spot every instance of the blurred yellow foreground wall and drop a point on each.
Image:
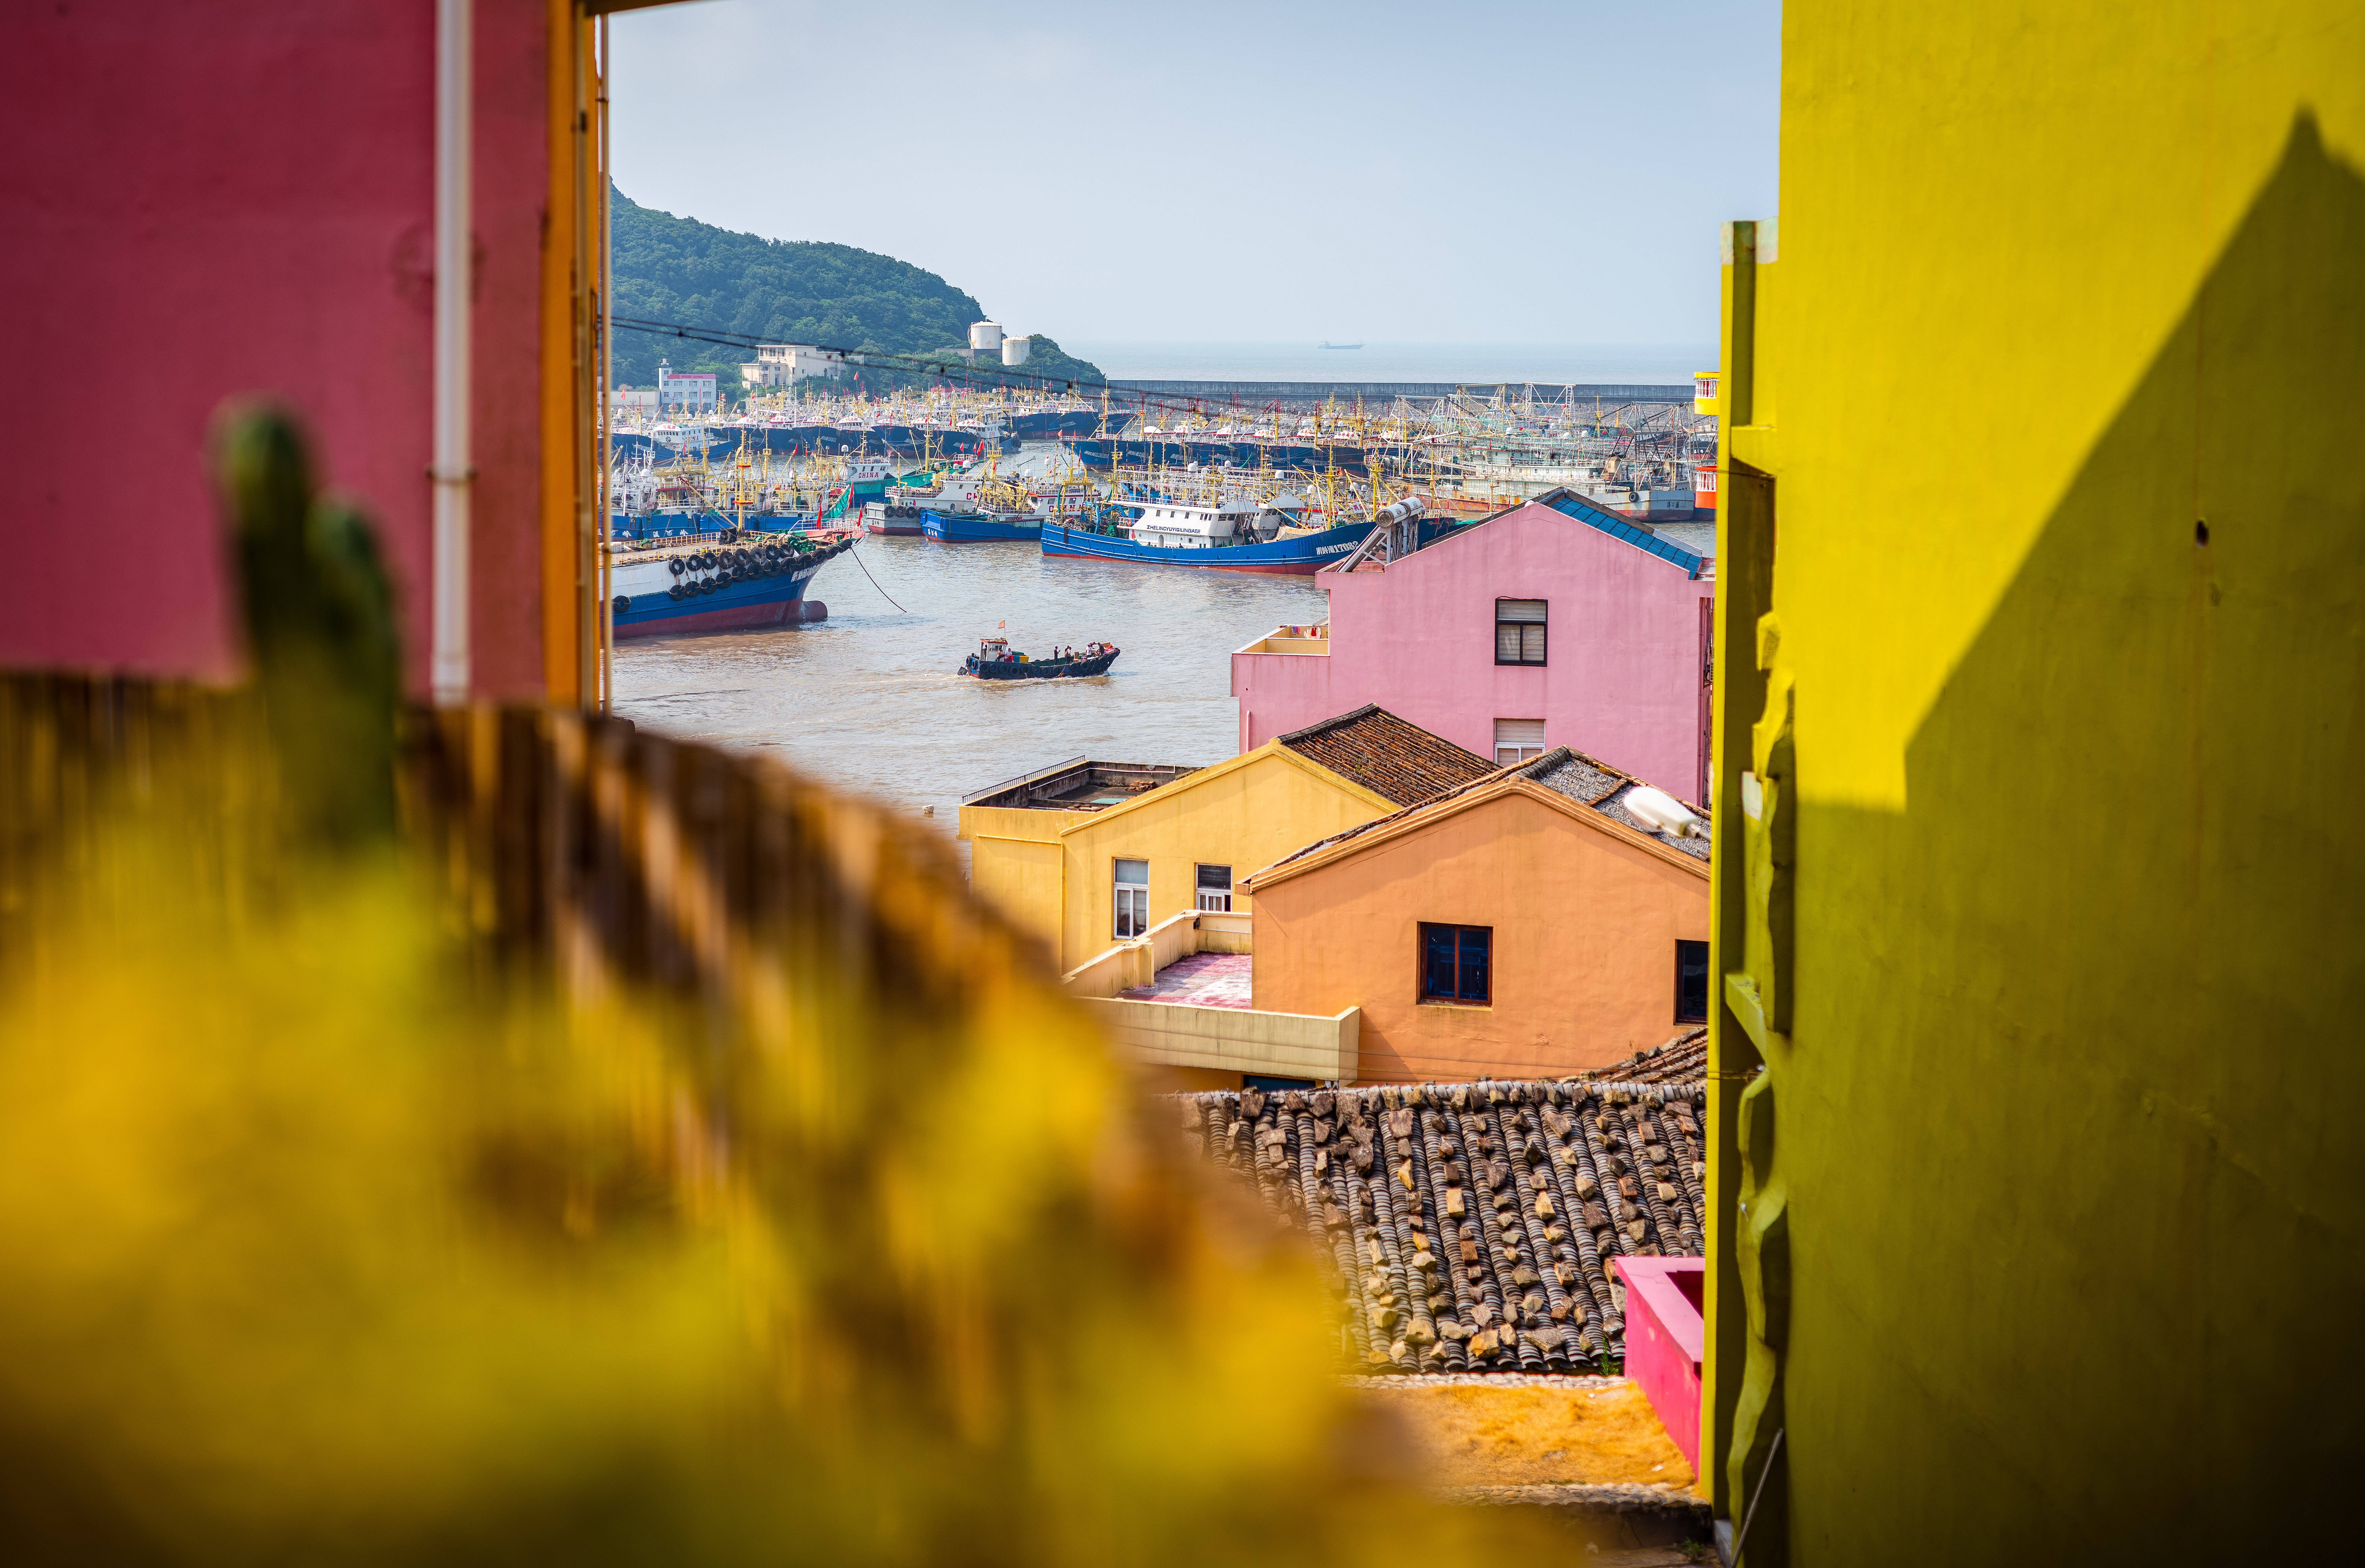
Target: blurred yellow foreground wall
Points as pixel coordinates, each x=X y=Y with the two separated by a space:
x=2040 y=1239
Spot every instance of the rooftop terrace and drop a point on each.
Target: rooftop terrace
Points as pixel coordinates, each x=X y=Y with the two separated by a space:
x=1079 y=784
x=1202 y=980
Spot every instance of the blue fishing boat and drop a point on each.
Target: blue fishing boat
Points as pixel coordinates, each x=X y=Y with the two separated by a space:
x=1292 y=552
x=732 y=582
x=969 y=528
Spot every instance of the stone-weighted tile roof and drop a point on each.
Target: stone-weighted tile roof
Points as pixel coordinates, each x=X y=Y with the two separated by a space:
x=1468 y=1226
x=1564 y=770
x=1385 y=755
x=1680 y=1060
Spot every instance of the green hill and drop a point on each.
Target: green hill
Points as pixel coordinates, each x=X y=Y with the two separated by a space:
x=790 y=291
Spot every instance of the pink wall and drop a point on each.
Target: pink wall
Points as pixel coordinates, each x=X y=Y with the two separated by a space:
x=1622 y=683
x=237 y=197
x=1664 y=1339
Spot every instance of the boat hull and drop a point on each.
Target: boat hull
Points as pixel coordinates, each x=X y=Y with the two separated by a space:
x=773 y=600
x=1287 y=558
x=964 y=528
x=1066 y=669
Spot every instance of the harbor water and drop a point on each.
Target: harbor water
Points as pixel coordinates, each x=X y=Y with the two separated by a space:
x=869 y=701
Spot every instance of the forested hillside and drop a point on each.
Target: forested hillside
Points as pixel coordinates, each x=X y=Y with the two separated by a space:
x=794 y=291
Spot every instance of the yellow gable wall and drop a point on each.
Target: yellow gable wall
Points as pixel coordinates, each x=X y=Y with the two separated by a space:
x=1245 y=813
x=1015 y=861
x=2050 y=1249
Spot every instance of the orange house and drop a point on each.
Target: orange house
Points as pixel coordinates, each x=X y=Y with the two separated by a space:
x=1549 y=918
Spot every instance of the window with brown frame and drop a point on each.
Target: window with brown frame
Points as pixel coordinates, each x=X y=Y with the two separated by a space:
x=1457 y=964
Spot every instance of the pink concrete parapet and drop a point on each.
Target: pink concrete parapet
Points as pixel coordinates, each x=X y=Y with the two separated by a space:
x=1663 y=1334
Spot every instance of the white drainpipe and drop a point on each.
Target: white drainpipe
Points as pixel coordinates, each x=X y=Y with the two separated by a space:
x=451 y=471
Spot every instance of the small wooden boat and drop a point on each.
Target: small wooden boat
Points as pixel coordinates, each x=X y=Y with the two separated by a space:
x=994 y=661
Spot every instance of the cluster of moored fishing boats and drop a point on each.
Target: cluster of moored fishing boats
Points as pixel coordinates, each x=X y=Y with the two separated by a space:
x=735 y=544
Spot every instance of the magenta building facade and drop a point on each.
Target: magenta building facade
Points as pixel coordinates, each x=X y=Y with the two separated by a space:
x=1555 y=624
x=237 y=198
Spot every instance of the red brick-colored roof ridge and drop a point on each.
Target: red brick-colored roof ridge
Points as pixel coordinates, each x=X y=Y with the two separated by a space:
x=1391 y=757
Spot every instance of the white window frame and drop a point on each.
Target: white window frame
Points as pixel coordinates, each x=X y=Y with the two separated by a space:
x=1210 y=899
x=1129 y=900
x=1523 y=743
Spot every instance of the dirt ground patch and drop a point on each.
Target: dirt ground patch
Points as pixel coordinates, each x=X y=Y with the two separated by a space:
x=1528 y=1435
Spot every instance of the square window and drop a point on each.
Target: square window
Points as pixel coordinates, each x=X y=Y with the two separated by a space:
x=1691 y=982
x=1518 y=740
x=1520 y=631
x=1457 y=963
x=1215 y=888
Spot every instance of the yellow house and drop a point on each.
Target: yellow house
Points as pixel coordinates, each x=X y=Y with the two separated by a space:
x=2036 y=1182
x=1088 y=853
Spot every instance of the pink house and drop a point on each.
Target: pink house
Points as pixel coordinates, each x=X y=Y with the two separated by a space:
x=1555 y=624
x=248 y=197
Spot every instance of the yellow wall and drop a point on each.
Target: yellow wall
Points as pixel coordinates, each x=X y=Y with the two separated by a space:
x=2054 y=1188
x=1244 y=812
x=1015 y=860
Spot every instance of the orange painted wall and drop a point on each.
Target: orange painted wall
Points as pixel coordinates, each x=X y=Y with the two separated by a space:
x=1585 y=926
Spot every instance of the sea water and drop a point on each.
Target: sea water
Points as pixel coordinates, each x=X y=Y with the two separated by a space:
x=870 y=699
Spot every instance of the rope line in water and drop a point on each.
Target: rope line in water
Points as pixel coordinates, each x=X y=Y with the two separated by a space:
x=874 y=581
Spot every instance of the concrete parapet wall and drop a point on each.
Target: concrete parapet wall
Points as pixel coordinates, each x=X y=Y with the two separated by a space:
x=1234 y=1040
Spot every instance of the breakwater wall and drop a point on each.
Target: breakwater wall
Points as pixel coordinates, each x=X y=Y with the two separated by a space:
x=1257 y=392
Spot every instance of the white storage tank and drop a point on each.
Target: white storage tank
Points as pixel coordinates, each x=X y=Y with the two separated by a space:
x=1016 y=350
x=984 y=337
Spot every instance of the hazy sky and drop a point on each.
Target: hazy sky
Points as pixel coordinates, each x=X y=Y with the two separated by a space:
x=1470 y=171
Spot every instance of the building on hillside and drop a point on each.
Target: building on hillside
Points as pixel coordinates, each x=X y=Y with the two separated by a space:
x=686 y=392
x=2034 y=1085
x=1553 y=623
x=633 y=399
x=1533 y=924
x=784 y=365
x=1086 y=870
x=304 y=243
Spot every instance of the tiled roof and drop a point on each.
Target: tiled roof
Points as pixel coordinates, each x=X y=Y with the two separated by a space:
x=1569 y=503
x=1564 y=770
x=1683 y=1060
x=1401 y=762
x=1467 y=1226
x=1581 y=777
